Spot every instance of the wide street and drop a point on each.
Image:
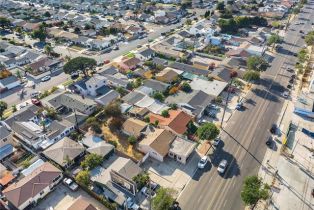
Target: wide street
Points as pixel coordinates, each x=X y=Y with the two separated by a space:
x=245 y=134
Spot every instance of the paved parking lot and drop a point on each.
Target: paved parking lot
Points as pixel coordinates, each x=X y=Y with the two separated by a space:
x=62 y=198
x=171 y=173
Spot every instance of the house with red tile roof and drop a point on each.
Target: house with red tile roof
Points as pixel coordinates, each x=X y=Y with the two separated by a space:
x=33 y=187
x=176 y=122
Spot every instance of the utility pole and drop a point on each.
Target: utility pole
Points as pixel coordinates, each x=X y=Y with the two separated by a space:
x=226 y=104
x=149 y=195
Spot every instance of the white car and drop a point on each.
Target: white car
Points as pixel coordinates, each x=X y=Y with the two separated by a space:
x=202 y=163
x=70 y=183
x=222 y=166
x=35 y=94
x=45 y=78
x=216 y=141
x=285 y=94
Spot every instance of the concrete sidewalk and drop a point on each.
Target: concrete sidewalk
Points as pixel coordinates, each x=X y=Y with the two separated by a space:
x=291 y=177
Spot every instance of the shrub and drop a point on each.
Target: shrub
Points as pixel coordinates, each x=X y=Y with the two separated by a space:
x=132 y=140
x=165 y=113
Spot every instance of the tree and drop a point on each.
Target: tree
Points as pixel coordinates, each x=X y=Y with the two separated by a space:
x=91 y=161
x=186 y=87
x=163 y=199
x=159 y=96
x=47 y=14
x=253 y=190
x=40 y=34
x=141 y=180
x=79 y=63
x=207 y=131
x=83 y=178
x=220 y=6
x=188 y=22
x=257 y=63
x=228 y=26
x=3 y=107
x=48 y=49
x=18 y=74
x=165 y=113
x=4 y=22
x=303 y=55
x=273 y=39
x=276 y=24
x=251 y=75
x=309 y=38
x=132 y=140
x=191 y=128
x=113 y=109
x=173 y=106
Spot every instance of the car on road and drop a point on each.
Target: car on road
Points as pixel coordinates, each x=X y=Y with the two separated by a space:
x=301 y=31
x=75 y=75
x=273 y=128
x=285 y=94
x=35 y=101
x=289 y=86
x=290 y=70
x=70 y=184
x=202 y=162
x=222 y=166
x=216 y=141
x=139 y=46
x=45 y=78
x=239 y=106
x=269 y=142
x=35 y=94
x=213 y=106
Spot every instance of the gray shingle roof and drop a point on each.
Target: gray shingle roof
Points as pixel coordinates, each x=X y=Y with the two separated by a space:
x=188 y=68
x=133 y=97
x=8 y=80
x=156 y=85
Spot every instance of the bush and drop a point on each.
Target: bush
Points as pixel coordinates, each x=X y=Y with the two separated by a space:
x=91 y=161
x=165 y=113
x=114 y=143
x=207 y=131
x=116 y=123
x=173 y=106
x=186 y=87
x=132 y=140
x=83 y=178
x=159 y=96
x=141 y=180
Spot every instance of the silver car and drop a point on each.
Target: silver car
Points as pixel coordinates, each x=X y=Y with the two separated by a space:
x=222 y=166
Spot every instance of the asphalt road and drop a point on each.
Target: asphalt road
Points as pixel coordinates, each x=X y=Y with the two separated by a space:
x=245 y=135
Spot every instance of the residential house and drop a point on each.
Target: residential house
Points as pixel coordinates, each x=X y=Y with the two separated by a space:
x=9 y=83
x=134 y=127
x=127 y=64
x=189 y=69
x=157 y=144
x=81 y=203
x=65 y=152
x=45 y=64
x=213 y=87
x=194 y=103
x=176 y=122
x=239 y=52
x=120 y=172
x=107 y=98
x=6 y=177
x=168 y=51
x=168 y=75
x=181 y=149
x=33 y=187
x=6 y=141
x=156 y=85
x=72 y=102
x=222 y=73
x=145 y=54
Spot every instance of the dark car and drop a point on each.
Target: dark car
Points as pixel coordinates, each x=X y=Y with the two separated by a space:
x=273 y=128
x=301 y=31
x=289 y=86
x=269 y=142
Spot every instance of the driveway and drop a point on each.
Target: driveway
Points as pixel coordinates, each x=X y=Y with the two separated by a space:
x=171 y=173
x=62 y=198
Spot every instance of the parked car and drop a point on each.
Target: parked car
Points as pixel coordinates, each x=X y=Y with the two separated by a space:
x=213 y=106
x=301 y=31
x=202 y=162
x=285 y=94
x=239 y=106
x=154 y=186
x=116 y=47
x=106 y=61
x=131 y=205
x=273 y=128
x=35 y=94
x=75 y=75
x=70 y=183
x=147 y=192
x=216 y=141
x=45 y=78
x=289 y=86
x=36 y=102
x=269 y=142
x=222 y=166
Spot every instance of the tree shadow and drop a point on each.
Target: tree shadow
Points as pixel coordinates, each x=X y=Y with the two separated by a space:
x=250 y=101
x=265 y=94
x=200 y=171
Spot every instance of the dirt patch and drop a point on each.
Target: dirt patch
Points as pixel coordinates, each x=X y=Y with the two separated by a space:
x=121 y=140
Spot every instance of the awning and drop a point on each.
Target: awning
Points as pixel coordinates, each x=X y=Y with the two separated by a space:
x=6 y=150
